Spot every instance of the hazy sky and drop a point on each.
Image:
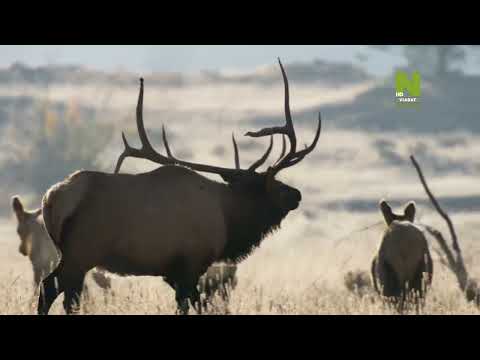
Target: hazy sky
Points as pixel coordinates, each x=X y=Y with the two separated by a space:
x=190 y=58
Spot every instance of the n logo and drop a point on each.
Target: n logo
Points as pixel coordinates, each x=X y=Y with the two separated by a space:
x=412 y=86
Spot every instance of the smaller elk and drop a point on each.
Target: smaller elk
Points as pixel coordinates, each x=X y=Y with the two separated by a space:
x=403 y=264
x=220 y=278
x=36 y=244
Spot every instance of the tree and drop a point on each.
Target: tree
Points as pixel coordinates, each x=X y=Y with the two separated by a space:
x=436 y=60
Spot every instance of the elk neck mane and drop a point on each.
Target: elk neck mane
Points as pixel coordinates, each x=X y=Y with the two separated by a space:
x=250 y=216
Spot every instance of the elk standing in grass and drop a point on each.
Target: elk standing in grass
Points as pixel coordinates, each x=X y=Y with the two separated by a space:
x=170 y=222
x=35 y=243
x=220 y=277
x=403 y=265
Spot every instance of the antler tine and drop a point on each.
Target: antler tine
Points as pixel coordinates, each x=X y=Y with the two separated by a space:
x=284 y=148
x=126 y=152
x=141 y=128
x=293 y=157
x=146 y=151
x=257 y=163
x=165 y=143
x=300 y=155
x=235 y=148
x=260 y=161
x=288 y=116
x=288 y=128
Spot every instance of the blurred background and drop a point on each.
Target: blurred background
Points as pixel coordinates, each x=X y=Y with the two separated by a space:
x=62 y=108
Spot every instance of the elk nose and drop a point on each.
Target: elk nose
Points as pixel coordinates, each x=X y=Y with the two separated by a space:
x=298 y=195
x=22 y=250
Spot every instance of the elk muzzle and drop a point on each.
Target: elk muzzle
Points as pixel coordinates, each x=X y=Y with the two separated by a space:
x=291 y=198
x=25 y=247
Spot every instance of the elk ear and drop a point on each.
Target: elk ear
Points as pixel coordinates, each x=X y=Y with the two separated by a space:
x=409 y=211
x=386 y=211
x=18 y=207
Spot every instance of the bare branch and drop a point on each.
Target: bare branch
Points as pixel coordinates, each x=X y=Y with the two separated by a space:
x=450 y=259
x=442 y=213
x=456 y=264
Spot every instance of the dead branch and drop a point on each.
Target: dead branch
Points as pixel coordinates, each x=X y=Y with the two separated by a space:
x=434 y=201
x=454 y=261
x=451 y=261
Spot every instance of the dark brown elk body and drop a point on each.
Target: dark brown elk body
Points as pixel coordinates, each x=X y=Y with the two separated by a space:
x=37 y=245
x=170 y=222
x=403 y=265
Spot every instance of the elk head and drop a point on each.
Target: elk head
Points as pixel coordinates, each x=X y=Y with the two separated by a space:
x=408 y=212
x=26 y=224
x=283 y=197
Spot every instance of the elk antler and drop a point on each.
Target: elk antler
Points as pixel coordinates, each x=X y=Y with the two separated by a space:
x=293 y=157
x=149 y=153
x=257 y=163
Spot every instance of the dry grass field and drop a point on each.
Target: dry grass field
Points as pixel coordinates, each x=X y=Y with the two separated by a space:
x=300 y=268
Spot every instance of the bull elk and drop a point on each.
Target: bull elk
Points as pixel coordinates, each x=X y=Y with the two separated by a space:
x=36 y=244
x=403 y=265
x=170 y=222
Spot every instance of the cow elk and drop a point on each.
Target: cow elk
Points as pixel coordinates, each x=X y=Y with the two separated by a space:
x=36 y=244
x=171 y=222
x=402 y=267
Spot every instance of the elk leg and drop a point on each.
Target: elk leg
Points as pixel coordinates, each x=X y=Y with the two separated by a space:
x=419 y=285
x=391 y=287
x=374 y=274
x=209 y=292
x=50 y=288
x=181 y=296
x=184 y=291
x=225 y=291
x=195 y=299
x=73 y=293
